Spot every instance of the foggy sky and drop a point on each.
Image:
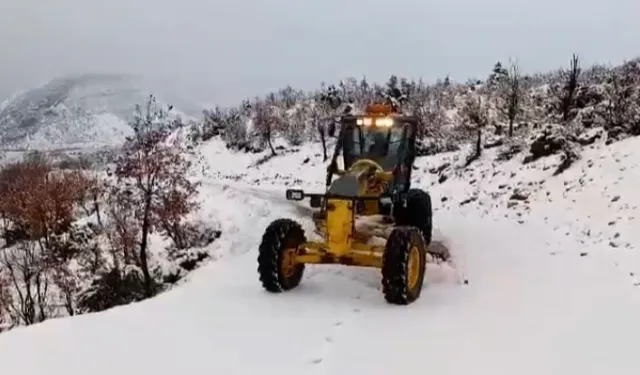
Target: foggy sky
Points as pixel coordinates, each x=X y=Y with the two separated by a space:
x=212 y=51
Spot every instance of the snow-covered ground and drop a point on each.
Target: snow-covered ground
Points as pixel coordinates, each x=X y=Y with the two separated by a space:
x=593 y=202
x=551 y=284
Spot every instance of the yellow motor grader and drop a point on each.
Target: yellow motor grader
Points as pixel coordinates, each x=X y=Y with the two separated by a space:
x=370 y=200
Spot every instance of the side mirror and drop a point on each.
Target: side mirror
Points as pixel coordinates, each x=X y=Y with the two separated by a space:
x=294 y=195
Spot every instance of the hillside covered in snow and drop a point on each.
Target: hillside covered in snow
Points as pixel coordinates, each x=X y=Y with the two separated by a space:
x=532 y=179
x=75 y=112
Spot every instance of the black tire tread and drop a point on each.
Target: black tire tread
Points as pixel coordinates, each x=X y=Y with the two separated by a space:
x=418 y=213
x=394 y=265
x=269 y=255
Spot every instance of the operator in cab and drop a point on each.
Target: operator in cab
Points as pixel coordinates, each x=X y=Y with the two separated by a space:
x=379 y=146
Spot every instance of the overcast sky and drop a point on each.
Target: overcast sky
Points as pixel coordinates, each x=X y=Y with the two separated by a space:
x=212 y=51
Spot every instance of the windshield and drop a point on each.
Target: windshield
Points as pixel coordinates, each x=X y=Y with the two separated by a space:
x=369 y=141
x=380 y=145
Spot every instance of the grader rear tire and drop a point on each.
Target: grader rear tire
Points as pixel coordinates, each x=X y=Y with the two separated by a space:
x=403 y=266
x=276 y=264
x=418 y=213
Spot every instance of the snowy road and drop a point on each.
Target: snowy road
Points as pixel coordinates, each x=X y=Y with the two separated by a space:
x=525 y=311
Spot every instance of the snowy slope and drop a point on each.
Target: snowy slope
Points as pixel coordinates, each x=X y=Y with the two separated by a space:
x=593 y=202
x=75 y=112
x=539 y=301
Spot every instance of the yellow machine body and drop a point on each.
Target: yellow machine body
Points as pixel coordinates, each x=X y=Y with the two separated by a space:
x=362 y=217
x=344 y=241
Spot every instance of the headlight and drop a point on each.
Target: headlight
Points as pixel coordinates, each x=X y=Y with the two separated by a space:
x=360 y=122
x=367 y=121
x=386 y=122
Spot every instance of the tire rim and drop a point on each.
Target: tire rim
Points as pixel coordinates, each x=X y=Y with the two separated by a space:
x=413 y=268
x=288 y=262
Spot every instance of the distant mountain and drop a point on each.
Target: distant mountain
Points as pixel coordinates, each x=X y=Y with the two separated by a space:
x=75 y=112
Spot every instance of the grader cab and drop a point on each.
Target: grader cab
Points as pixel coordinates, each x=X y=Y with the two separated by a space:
x=369 y=215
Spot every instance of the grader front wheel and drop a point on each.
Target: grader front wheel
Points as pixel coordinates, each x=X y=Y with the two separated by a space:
x=276 y=256
x=403 y=267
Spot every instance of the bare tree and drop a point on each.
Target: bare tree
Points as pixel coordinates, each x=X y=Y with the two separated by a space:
x=264 y=122
x=122 y=229
x=475 y=113
x=432 y=112
x=568 y=91
x=297 y=121
x=27 y=273
x=623 y=107
x=42 y=202
x=67 y=283
x=151 y=171
x=91 y=191
x=6 y=300
x=73 y=257
x=174 y=204
x=39 y=203
x=318 y=116
x=512 y=95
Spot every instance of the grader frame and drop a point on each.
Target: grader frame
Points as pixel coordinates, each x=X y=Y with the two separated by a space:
x=367 y=202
